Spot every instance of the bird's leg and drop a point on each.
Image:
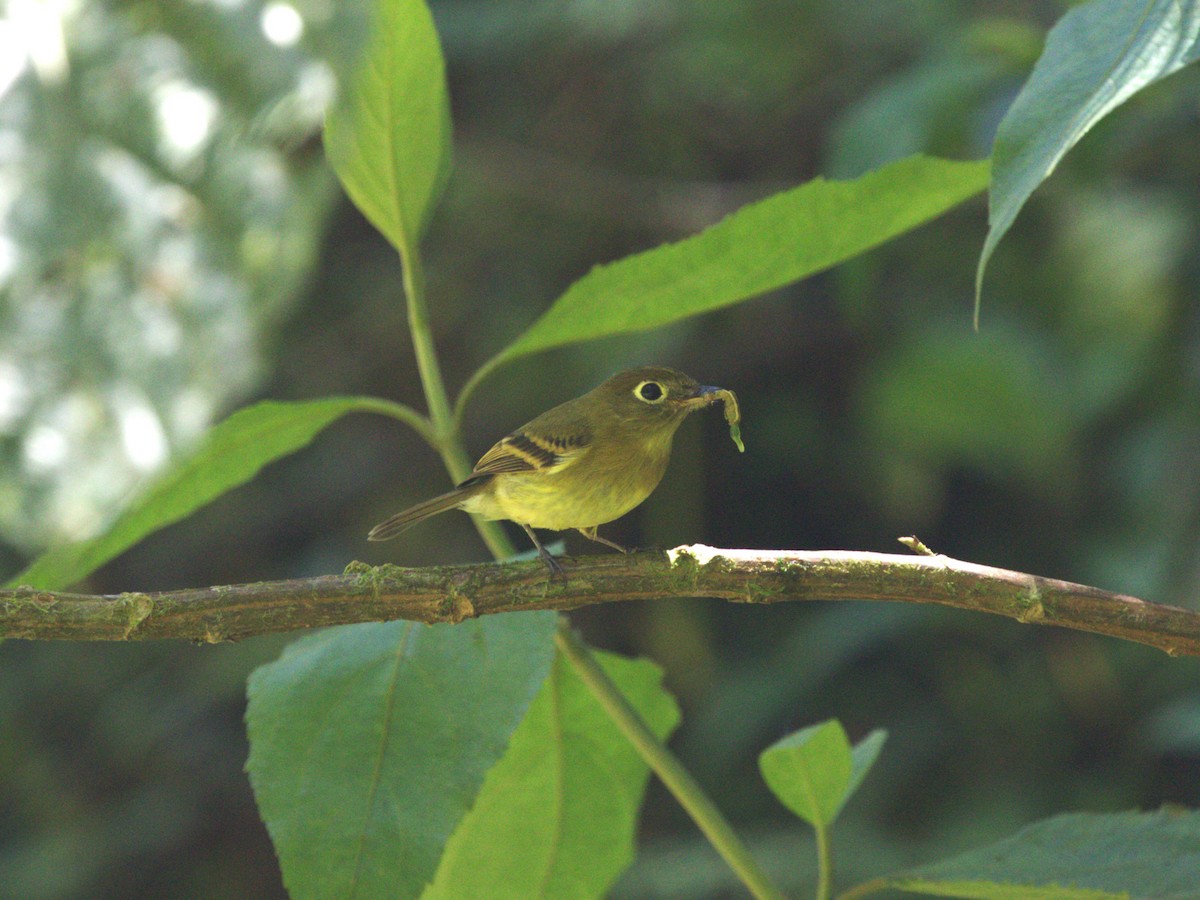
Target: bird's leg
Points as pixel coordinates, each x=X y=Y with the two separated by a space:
x=553 y=564
x=591 y=535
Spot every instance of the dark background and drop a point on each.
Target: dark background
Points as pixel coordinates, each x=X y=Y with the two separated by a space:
x=149 y=285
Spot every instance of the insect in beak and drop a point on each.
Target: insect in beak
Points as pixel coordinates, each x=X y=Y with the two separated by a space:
x=705 y=395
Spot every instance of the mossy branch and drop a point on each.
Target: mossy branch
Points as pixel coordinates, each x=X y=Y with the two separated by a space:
x=453 y=593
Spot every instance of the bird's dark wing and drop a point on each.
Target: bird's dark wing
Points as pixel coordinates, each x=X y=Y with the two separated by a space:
x=528 y=450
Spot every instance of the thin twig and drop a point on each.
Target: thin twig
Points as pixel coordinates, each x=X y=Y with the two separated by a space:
x=453 y=593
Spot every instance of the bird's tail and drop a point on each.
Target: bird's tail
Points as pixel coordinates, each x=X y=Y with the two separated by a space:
x=389 y=528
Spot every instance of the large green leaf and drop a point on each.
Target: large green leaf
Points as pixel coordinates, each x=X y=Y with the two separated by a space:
x=1075 y=857
x=762 y=246
x=1098 y=56
x=388 y=136
x=232 y=454
x=368 y=743
x=556 y=816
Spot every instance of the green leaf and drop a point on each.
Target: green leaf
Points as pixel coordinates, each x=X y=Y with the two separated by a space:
x=368 y=744
x=233 y=453
x=812 y=771
x=1075 y=856
x=1098 y=56
x=556 y=816
x=862 y=758
x=762 y=246
x=388 y=136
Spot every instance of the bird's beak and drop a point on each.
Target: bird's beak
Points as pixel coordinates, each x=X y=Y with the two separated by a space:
x=704 y=396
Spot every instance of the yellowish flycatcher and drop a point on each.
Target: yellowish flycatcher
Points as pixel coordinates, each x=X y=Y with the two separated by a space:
x=581 y=464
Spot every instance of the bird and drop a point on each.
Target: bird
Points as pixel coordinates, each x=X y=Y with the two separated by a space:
x=579 y=465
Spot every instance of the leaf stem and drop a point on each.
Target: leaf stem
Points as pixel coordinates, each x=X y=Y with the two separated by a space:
x=440 y=413
x=473 y=382
x=406 y=414
x=664 y=764
x=442 y=431
x=824 y=862
x=874 y=886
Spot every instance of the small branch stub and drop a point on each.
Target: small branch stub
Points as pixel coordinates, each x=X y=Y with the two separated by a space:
x=916 y=545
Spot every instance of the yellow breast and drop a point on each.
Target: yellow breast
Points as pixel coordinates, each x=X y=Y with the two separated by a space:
x=596 y=488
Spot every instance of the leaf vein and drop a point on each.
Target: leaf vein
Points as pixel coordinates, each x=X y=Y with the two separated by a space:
x=376 y=774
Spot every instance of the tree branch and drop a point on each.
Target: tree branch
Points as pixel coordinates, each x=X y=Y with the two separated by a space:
x=453 y=593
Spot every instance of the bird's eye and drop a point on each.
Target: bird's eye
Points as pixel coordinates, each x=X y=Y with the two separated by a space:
x=650 y=392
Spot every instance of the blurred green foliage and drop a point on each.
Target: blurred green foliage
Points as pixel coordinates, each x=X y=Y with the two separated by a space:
x=146 y=289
